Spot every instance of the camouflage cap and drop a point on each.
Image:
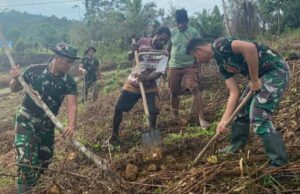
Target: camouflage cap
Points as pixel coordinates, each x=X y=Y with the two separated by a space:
x=90 y=48
x=65 y=50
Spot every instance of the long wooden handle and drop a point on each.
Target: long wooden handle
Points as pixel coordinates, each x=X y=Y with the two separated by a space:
x=233 y=115
x=138 y=65
x=35 y=96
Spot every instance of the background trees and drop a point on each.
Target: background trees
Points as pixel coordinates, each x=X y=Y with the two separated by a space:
x=245 y=18
x=209 y=24
x=109 y=25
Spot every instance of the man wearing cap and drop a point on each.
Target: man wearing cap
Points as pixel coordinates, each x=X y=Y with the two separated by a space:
x=182 y=68
x=34 y=137
x=89 y=68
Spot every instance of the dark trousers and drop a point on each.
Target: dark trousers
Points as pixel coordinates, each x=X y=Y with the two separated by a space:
x=127 y=100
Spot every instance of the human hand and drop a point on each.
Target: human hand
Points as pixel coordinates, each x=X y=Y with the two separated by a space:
x=221 y=128
x=69 y=131
x=255 y=85
x=15 y=71
x=141 y=78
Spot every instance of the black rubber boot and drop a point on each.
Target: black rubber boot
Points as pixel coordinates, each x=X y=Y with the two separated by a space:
x=117 y=119
x=275 y=149
x=239 y=137
x=22 y=189
x=115 y=139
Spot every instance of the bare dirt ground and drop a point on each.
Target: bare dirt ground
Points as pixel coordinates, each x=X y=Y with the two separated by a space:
x=170 y=171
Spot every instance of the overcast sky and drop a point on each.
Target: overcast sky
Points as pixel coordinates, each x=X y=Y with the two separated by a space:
x=74 y=9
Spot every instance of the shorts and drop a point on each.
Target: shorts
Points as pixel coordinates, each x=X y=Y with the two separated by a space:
x=183 y=79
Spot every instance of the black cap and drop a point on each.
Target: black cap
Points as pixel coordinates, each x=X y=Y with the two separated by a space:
x=90 y=48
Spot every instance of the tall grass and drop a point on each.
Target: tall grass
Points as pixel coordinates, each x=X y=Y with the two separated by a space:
x=287 y=43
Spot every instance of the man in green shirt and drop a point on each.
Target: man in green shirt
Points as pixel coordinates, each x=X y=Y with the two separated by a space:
x=89 y=68
x=182 y=68
x=268 y=77
x=34 y=140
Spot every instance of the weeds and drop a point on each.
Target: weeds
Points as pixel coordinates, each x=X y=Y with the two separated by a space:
x=114 y=80
x=96 y=146
x=4 y=181
x=191 y=132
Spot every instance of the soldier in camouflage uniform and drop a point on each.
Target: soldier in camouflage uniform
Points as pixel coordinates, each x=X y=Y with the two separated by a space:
x=89 y=67
x=34 y=138
x=268 y=78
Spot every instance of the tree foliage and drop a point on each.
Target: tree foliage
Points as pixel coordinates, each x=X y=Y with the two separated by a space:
x=35 y=30
x=113 y=23
x=279 y=15
x=109 y=25
x=248 y=17
x=209 y=24
x=120 y=18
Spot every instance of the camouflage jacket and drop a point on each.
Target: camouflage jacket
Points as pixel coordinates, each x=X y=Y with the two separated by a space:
x=92 y=67
x=230 y=63
x=52 y=88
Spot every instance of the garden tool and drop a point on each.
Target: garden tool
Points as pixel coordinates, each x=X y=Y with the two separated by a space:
x=213 y=139
x=35 y=96
x=84 y=87
x=151 y=137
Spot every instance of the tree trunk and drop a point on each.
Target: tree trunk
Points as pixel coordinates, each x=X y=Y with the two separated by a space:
x=278 y=18
x=226 y=18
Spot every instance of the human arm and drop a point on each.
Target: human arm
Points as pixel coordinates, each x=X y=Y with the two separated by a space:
x=72 y=115
x=81 y=69
x=250 y=54
x=169 y=50
x=232 y=102
x=198 y=66
x=15 y=85
x=152 y=76
x=160 y=70
x=134 y=47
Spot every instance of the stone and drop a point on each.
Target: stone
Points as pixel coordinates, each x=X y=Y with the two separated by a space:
x=131 y=172
x=152 y=167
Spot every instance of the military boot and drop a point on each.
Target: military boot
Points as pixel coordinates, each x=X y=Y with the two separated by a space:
x=23 y=189
x=239 y=137
x=96 y=90
x=275 y=149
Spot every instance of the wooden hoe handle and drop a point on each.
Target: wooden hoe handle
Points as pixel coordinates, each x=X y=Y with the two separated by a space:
x=213 y=139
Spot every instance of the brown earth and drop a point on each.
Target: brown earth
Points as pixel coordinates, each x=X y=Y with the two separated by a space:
x=243 y=172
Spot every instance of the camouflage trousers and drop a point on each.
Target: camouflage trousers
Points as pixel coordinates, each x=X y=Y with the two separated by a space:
x=34 y=142
x=264 y=103
x=94 y=86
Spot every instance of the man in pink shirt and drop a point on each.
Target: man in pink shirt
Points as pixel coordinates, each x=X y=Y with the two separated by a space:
x=153 y=58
